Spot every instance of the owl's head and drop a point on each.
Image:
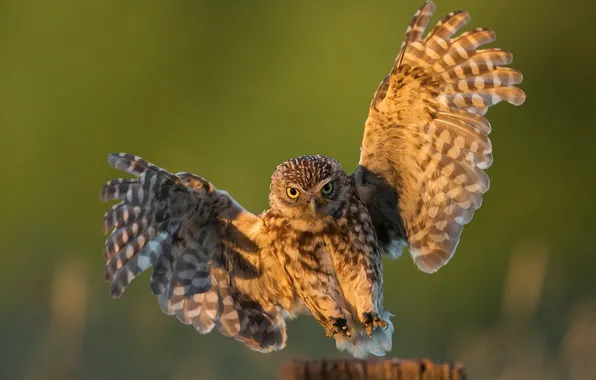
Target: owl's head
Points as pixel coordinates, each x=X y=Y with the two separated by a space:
x=309 y=188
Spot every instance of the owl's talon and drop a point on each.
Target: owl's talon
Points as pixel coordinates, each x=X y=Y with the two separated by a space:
x=347 y=331
x=338 y=326
x=372 y=320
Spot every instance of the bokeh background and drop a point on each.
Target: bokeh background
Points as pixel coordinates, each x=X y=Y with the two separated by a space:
x=229 y=90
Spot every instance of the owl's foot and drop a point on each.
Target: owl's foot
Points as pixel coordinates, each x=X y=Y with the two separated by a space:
x=372 y=320
x=338 y=326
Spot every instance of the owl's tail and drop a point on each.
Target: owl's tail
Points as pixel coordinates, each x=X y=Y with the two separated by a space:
x=360 y=345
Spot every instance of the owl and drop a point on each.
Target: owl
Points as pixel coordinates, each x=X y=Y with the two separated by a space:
x=318 y=248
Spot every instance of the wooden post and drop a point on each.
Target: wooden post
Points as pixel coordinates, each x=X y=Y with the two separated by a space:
x=371 y=369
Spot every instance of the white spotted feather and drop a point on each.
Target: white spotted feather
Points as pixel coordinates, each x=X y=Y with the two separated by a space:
x=426 y=145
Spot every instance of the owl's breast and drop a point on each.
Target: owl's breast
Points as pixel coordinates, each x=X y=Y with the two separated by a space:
x=303 y=255
x=304 y=251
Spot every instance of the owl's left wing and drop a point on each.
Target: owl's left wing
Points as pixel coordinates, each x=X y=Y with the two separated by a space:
x=205 y=249
x=426 y=146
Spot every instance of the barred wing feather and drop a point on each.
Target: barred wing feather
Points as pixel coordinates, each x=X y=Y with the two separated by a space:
x=425 y=145
x=198 y=240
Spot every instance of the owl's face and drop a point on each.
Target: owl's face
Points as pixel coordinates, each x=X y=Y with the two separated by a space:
x=309 y=188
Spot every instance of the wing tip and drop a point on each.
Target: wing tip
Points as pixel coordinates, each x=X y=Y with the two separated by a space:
x=518 y=98
x=429 y=264
x=114 y=157
x=430 y=4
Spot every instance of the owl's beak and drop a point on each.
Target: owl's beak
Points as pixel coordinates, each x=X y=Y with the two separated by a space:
x=314 y=205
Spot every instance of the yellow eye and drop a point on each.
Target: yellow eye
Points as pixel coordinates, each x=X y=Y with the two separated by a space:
x=327 y=189
x=292 y=192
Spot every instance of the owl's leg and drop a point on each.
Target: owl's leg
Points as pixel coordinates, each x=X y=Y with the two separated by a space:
x=369 y=305
x=369 y=302
x=322 y=295
x=310 y=269
x=322 y=302
x=361 y=276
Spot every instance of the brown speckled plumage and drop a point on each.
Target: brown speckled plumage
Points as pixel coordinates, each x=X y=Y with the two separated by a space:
x=318 y=248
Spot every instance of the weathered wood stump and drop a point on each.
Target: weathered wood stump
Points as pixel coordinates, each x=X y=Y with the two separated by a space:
x=371 y=369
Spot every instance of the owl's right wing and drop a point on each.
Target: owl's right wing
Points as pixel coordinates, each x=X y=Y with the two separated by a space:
x=205 y=250
x=425 y=145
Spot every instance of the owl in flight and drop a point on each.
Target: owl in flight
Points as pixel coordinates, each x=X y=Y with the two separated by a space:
x=318 y=248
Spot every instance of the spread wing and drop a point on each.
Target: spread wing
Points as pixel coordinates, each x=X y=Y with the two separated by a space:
x=426 y=146
x=204 y=249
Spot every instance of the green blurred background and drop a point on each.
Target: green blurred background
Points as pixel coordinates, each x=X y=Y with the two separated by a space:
x=229 y=90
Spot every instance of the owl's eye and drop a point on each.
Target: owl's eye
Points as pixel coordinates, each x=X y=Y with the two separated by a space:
x=292 y=192
x=327 y=189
